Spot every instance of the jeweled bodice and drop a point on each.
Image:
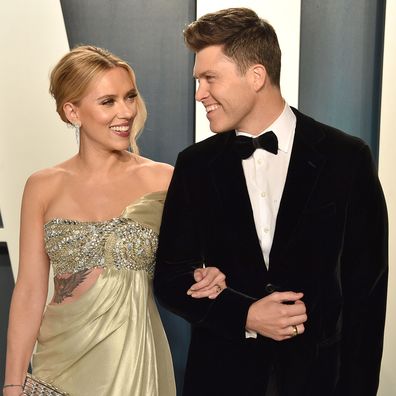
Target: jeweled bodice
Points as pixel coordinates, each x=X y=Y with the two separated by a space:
x=121 y=242
x=73 y=246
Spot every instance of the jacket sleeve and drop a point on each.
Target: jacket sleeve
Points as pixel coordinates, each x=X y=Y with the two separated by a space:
x=364 y=270
x=180 y=252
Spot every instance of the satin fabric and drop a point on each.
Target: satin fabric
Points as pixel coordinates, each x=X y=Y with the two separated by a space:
x=111 y=340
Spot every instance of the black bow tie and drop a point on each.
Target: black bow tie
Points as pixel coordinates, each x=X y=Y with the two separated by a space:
x=245 y=146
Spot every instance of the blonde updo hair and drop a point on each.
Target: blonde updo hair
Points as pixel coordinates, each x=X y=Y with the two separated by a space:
x=72 y=75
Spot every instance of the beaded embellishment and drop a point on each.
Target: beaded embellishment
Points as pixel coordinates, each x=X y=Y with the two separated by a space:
x=73 y=246
x=36 y=387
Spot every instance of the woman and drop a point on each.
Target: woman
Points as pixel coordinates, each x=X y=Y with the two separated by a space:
x=95 y=219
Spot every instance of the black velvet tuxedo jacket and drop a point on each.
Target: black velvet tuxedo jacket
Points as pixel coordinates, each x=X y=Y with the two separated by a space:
x=330 y=243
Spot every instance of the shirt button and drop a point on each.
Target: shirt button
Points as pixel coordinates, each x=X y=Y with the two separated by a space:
x=266 y=230
x=263 y=194
x=270 y=288
x=259 y=161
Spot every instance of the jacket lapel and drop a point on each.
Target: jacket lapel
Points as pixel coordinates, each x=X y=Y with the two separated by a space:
x=229 y=183
x=304 y=170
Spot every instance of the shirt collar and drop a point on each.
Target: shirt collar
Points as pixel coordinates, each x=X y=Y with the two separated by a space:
x=283 y=127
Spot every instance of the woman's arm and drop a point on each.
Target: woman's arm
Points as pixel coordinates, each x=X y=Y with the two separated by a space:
x=30 y=293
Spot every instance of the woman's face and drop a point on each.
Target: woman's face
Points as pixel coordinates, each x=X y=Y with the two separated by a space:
x=107 y=111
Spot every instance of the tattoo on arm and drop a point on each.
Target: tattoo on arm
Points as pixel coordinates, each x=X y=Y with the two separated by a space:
x=64 y=287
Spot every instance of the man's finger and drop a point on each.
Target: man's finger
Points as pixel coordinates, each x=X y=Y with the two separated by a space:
x=286 y=296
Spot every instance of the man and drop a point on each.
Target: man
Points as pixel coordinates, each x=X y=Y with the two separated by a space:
x=295 y=220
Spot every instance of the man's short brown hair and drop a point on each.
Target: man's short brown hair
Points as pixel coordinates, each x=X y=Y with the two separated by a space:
x=246 y=39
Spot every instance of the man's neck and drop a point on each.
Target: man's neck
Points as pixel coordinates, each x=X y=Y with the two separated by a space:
x=268 y=108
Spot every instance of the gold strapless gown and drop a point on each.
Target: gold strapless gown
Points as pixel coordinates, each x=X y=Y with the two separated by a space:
x=110 y=341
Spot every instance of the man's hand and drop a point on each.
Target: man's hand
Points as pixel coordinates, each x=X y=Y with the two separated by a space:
x=279 y=316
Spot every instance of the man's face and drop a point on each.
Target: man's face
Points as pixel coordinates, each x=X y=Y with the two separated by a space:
x=228 y=96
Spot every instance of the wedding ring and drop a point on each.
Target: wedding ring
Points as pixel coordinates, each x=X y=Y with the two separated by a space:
x=218 y=288
x=295 y=331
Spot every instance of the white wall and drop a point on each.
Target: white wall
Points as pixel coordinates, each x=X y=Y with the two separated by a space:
x=387 y=165
x=284 y=16
x=32 y=136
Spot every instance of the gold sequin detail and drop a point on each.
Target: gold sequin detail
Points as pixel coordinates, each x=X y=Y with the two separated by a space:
x=73 y=246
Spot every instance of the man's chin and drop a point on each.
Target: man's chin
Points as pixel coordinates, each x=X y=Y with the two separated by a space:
x=217 y=129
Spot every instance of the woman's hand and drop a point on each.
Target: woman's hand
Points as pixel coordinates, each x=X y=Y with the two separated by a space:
x=210 y=282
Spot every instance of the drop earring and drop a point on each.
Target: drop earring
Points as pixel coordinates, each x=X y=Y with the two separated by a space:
x=77 y=132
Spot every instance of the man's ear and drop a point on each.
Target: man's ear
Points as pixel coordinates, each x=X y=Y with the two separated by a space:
x=71 y=113
x=259 y=75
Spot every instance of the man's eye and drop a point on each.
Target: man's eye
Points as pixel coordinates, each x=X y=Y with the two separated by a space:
x=108 y=102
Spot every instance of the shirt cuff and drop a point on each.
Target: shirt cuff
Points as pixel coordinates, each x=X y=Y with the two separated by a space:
x=250 y=334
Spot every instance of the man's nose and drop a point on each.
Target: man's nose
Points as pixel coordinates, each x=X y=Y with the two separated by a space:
x=201 y=92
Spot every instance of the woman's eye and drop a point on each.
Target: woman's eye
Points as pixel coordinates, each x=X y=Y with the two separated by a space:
x=131 y=97
x=108 y=102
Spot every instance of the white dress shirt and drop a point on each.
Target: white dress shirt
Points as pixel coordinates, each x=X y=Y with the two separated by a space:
x=265 y=175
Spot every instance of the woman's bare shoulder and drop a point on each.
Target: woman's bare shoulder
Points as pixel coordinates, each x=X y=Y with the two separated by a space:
x=157 y=173
x=47 y=176
x=48 y=179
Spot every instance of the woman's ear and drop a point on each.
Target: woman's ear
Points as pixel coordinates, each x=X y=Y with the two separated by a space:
x=259 y=75
x=71 y=113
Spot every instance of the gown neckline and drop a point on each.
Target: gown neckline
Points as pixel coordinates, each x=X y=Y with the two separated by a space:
x=63 y=219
